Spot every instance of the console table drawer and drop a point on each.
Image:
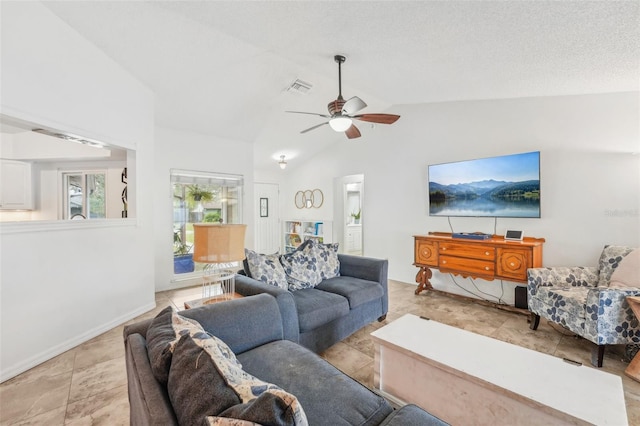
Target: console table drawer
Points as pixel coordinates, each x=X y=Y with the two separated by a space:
x=468 y=251
x=426 y=253
x=467 y=266
x=513 y=263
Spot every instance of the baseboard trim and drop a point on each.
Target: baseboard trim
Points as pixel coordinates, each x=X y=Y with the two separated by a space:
x=8 y=373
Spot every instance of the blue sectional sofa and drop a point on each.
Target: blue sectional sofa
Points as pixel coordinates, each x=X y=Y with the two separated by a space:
x=334 y=309
x=256 y=332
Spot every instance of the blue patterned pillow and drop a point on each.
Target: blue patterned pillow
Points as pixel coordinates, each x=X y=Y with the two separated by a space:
x=301 y=267
x=327 y=258
x=266 y=268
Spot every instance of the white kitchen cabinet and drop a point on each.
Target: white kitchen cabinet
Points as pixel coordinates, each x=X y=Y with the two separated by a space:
x=354 y=239
x=16 y=192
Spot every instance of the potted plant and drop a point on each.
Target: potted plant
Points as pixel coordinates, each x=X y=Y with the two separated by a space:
x=356 y=216
x=196 y=195
x=182 y=258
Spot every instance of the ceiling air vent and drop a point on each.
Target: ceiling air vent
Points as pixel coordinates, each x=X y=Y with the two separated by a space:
x=300 y=87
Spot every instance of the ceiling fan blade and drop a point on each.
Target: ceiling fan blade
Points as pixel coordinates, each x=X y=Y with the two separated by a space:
x=314 y=127
x=353 y=105
x=310 y=113
x=377 y=118
x=352 y=132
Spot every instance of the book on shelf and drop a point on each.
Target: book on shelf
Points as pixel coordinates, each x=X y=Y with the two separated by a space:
x=294 y=240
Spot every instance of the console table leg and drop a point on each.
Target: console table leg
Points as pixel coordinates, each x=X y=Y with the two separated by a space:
x=422 y=278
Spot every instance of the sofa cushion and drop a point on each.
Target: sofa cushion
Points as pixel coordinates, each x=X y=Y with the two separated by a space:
x=356 y=290
x=569 y=300
x=206 y=379
x=266 y=268
x=301 y=267
x=329 y=397
x=162 y=335
x=565 y=306
x=627 y=274
x=609 y=260
x=316 y=307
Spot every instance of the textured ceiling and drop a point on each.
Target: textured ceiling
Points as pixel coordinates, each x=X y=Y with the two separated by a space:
x=222 y=68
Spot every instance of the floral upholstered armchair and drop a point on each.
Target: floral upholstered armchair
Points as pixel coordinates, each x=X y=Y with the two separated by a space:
x=590 y=301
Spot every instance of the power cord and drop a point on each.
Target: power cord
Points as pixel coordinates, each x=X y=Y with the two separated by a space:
x=500 y=301
x=462 y=288
x=489 y=294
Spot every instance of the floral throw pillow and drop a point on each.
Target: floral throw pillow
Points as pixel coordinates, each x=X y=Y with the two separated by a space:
x=609 y=260
x=266 y=268
x=327 y=258
x=301 y=267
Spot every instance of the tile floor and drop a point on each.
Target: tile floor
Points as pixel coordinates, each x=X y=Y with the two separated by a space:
x=87 y=384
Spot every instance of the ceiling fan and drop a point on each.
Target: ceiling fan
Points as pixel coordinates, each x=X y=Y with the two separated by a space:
x=341 y=112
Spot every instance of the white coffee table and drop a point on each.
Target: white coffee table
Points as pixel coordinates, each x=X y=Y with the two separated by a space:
x=465 y=378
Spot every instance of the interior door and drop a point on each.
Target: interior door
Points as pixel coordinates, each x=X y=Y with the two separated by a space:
x=267 y=222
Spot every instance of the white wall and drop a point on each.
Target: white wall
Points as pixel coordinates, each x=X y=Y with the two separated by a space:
x=63 y=284
x=590 y=181
x=179 y=149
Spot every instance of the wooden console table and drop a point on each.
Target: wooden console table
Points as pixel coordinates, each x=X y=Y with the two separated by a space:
x=493 y=258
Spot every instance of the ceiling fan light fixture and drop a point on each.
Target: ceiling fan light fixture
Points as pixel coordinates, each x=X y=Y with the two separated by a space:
x=341 y=112
x=282 y=163
x=340 y=124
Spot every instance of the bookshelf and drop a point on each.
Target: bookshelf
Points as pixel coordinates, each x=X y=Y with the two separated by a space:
x=296 y=232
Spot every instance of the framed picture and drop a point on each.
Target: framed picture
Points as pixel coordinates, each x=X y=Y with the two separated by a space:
x=264 y=207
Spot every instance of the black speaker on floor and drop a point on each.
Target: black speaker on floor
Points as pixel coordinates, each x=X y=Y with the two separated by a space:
x=521 y=297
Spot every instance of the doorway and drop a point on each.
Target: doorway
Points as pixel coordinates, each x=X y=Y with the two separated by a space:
x=349 y=213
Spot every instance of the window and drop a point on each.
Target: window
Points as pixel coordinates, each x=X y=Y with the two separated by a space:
x=200 y=197
x=84 y=195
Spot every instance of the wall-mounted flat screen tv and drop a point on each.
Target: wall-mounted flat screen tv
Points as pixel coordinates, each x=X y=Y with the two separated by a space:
x=505 y=186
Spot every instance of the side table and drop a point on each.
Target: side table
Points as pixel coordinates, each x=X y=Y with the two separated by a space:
x=633 y=370
x=209 y=300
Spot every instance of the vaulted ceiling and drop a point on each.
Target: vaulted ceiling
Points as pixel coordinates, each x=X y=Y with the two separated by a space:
x=223 y=67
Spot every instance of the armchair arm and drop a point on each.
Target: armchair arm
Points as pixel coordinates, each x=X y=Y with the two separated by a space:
x=367 y=268
x=609 y=317
x=561 y=276
x=249 y=287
